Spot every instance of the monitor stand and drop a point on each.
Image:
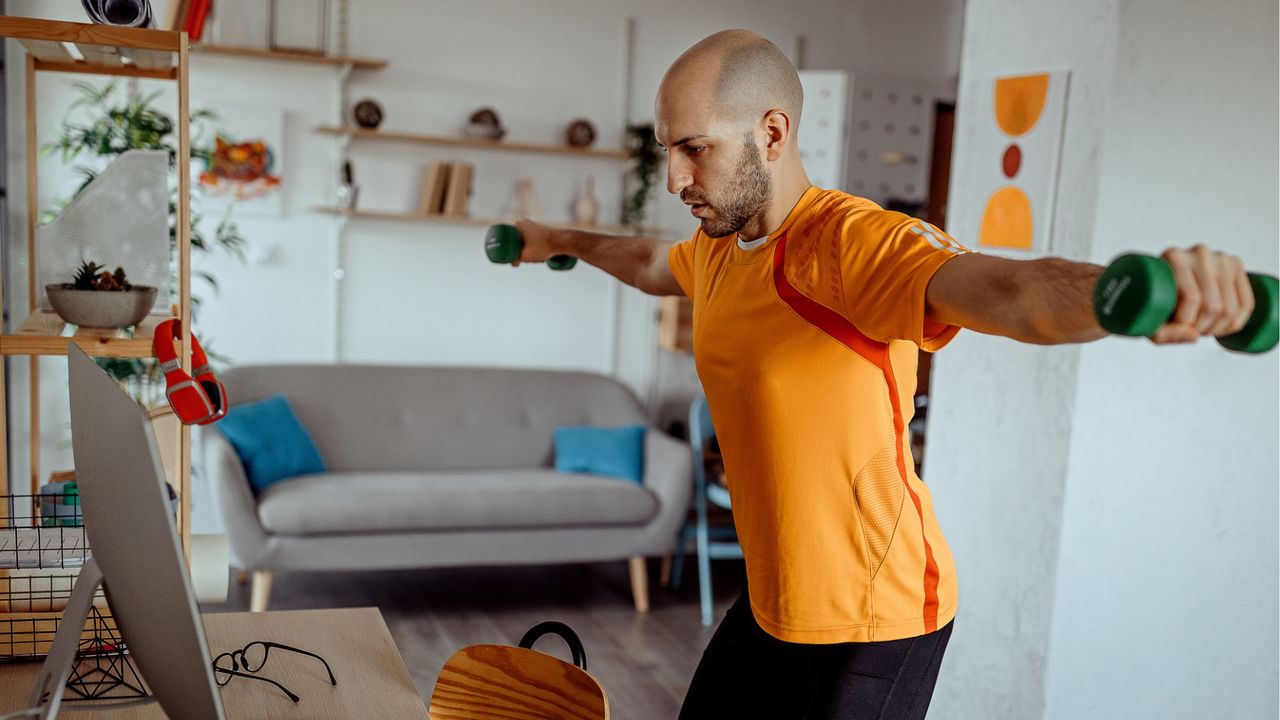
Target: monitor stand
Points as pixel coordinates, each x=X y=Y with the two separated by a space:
x=51 y=684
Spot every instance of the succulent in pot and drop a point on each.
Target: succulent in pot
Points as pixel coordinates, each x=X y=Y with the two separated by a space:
x=97 y=298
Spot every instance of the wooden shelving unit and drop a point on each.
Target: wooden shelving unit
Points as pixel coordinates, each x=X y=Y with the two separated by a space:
x=357 y=63
x=54 y=46
x=500 y=145
x=462 y=220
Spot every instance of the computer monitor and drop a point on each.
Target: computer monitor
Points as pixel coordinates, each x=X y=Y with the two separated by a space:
x=135 y=547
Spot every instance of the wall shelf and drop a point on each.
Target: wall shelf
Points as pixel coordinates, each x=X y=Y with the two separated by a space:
x=356 y=63
x=362 y=134
x=464 y=220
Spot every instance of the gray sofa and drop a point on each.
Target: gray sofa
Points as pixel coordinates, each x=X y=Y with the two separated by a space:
x=438 y=466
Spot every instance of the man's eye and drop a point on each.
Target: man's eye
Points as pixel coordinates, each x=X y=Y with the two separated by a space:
x=696 y=149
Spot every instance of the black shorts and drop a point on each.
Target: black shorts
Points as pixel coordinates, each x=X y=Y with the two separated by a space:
x=747 y=673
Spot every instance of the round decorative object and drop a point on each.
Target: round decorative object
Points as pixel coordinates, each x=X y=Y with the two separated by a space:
x=101 y=308
x=485 y=116
x=580 y=133
x=368 y=114
x=484 y=124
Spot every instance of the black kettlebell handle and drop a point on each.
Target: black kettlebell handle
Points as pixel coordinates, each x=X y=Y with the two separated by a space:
x=552 y=627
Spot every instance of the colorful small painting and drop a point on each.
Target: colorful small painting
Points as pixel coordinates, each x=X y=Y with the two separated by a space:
x=244 y=170
x=246 y=166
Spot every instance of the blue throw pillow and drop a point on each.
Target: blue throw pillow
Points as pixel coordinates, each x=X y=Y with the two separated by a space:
x=270 y=441
x=615 y=452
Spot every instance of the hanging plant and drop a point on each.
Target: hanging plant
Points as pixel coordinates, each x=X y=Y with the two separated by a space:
x=642 y=173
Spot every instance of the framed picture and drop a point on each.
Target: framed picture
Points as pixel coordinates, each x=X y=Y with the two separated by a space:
x=241 y=23
x=299 y=25
x=1013 y=182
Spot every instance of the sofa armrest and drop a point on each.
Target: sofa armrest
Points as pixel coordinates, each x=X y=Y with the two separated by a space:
x=234 y=498
x=668 y=473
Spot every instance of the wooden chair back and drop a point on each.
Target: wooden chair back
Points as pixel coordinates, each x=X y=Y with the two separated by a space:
x=500 y=682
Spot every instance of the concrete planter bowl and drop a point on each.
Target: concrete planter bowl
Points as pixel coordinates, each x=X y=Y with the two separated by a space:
x=101 y=308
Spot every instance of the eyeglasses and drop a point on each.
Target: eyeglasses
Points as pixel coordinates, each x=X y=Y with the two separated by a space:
x=251 y=658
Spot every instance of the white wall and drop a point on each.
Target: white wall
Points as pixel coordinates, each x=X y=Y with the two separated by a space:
x=1167 y=582
x=1000 y=415
x=1112 y=508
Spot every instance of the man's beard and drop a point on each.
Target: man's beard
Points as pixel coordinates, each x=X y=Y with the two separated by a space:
x=746 y=196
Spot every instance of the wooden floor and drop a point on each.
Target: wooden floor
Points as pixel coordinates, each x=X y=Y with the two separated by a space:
x=644 y=662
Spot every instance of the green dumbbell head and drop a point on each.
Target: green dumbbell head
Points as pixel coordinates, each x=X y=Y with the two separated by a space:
x=1262 y=330
x=561 y=262
x=503 y=244
x=1137 y=294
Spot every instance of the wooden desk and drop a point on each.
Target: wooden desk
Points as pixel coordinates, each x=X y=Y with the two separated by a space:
x=372 y=679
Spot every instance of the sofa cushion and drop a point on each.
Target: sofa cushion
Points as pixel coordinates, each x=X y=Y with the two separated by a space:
x=270 y=441
x=613 y=452
x=353 y=502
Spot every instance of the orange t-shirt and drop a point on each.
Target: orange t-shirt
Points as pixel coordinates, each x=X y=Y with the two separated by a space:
x=806 y=347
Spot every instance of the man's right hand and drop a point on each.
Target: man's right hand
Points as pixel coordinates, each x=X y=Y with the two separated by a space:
x=539 y=241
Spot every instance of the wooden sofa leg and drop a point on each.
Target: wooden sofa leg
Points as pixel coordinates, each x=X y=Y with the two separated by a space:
x=639 y=583
x=260 y=594
x=664 y=571
x=242 y=576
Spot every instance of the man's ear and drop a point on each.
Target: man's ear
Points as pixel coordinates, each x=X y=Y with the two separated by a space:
x=778 y=133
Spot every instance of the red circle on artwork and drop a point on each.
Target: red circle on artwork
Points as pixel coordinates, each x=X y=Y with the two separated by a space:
x=1012 y=160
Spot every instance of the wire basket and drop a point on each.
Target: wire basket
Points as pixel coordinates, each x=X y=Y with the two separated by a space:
x=42 y=547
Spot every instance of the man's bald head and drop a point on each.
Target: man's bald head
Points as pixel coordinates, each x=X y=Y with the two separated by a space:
x=745 y=74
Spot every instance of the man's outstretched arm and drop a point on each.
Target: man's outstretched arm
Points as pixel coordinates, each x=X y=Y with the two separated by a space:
x=637 y=261
x=1050 y=300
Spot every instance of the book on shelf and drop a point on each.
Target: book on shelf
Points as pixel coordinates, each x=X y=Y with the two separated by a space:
x=434 y=180
x=458 y=196
x=197 y=13
x=175 y=18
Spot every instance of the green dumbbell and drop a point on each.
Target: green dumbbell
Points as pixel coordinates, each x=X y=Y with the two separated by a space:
x=503 y=245
x=1138 y=293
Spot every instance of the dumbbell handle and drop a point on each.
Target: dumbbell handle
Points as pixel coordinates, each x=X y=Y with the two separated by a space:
x=503 y=243
x=1137 y=294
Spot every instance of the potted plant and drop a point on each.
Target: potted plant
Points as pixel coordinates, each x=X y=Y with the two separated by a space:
x=99 y=299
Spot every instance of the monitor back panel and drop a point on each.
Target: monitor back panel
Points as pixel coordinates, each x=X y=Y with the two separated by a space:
x=133 y=538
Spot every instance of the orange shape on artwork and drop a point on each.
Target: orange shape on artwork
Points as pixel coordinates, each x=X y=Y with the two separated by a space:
x=1019 y=102
x=1008 y=220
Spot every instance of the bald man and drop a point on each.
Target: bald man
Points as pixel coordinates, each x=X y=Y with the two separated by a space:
x=810 y=306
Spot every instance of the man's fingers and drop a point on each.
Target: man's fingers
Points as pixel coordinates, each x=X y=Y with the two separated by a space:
x=1205 y=268
x=1175 y=334
x=1245 y=292
x=1226 y=265
x=1188 y=308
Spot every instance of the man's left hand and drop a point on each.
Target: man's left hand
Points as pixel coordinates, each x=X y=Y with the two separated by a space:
x=1214 y=296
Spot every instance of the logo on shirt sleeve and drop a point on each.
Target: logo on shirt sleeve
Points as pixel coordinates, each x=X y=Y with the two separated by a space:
x=938 y=239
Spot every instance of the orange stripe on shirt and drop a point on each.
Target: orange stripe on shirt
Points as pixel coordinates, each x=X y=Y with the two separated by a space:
x=877 y=353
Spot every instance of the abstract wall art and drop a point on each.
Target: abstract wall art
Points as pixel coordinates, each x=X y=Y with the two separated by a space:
x=1018 y=137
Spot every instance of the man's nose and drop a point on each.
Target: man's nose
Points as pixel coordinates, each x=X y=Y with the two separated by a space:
x=679 y=176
